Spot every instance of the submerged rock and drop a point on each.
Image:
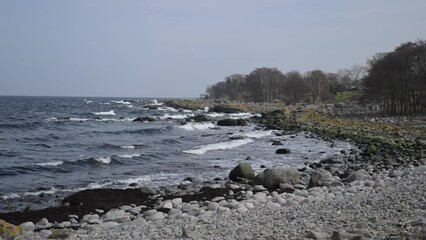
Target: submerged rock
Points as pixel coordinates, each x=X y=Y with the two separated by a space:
x=283 y=151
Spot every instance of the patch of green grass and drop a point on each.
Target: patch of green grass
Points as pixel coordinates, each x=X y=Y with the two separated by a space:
x=347 y=96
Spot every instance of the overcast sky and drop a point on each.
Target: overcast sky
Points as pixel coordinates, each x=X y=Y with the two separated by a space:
x=176 y=48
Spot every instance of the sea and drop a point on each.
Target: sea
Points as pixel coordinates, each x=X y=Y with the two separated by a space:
x=51 y=147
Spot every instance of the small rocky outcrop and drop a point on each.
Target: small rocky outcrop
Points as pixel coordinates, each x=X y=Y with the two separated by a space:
x=232 y=122
x=224 y=109
x=144 y=119
x=271 y=178
x=201 y=118
x=283 y=151
x=242 y=171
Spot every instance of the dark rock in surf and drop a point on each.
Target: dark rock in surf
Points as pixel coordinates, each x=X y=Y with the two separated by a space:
x=232 y=122
x=283 y=151
x=276 y=143
x=201 y=118
x=144 y=119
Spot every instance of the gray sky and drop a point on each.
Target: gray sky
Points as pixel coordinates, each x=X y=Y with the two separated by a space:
x=176 y=48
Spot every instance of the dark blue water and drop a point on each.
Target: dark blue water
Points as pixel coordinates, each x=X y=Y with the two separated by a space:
x=53 y=146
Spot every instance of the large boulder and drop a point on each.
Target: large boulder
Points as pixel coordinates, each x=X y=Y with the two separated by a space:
x=201 y=118
x=271 y=178
x=242 y=171
x=232 y=122
x=320 y=177
x=360 y=175
x=9 y=231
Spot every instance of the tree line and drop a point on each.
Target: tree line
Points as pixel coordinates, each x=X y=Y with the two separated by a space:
x=270 y=84
x=395 y=80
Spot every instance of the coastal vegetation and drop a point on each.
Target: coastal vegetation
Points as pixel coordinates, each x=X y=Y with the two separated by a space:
x=394 y=81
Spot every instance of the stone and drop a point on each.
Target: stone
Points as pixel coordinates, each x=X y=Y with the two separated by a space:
x=320 y=177
x=174 y=212
x=318 y=235
x=125 y=208
x=187 y=234
x=371 y=149
x=271 y=178
x=259 y=188
x=272 y=205
x=283 y=151
x=212 y=206
x=217 y=199
x=108 y=225
x=61 y=234
x=45 y=233
x=150 y=212
x=155 y=217
x=342 y=235
x=201 y=118
x=43 y=223
x=242 y=171
x=148 y=190
x=276 y=143
x=396 y=173
x=9 y=231
x=360 y=175
x=176 y=202
x=27 y=227
x=167 y=205
x=285 y=187
x=418 y=221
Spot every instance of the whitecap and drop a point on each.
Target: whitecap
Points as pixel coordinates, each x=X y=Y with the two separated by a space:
x=129 y=155
x=178 y=116
x=111 y=112
x=169 y=109
x=243 y=115
x=257 y=134
x=52 y=119
x=140 y=179
x=197 y=126
x=215 y=114
x=104 y=160
x=78 y=119
x=218 y=146
x=128 y=146
x=121 y=102
x=54 y=163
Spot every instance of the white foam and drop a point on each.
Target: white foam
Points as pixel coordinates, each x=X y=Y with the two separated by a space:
x=36 y=193
x=104 y=160
x=178 y=116
x=258 y=134
x=141 y=179
x=168 y=109
x=55 y=163
x=52 y=119
x=121 y=102
x=215 y=114
x=197 y=126
x=206 y=109
x=155 y=102
x=218 y=146
x=243 y=115
x=87 y=101
x=128 y=146
x=111 y=112
x=129 y=155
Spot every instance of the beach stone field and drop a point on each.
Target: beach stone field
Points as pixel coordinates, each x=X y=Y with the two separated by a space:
x=387 y=205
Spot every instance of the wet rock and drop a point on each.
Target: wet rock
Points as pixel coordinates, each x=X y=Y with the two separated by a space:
x=243 y=170
x=283 y=151
x=271 y=178
x=224 y=109
x=232 y=122
x=276 y=143
x=144 y=119
x=201 y=118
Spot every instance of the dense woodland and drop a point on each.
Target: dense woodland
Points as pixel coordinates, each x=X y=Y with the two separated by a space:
x=396 y=81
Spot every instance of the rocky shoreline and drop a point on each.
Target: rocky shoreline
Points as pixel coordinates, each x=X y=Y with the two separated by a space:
x=380 y=194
